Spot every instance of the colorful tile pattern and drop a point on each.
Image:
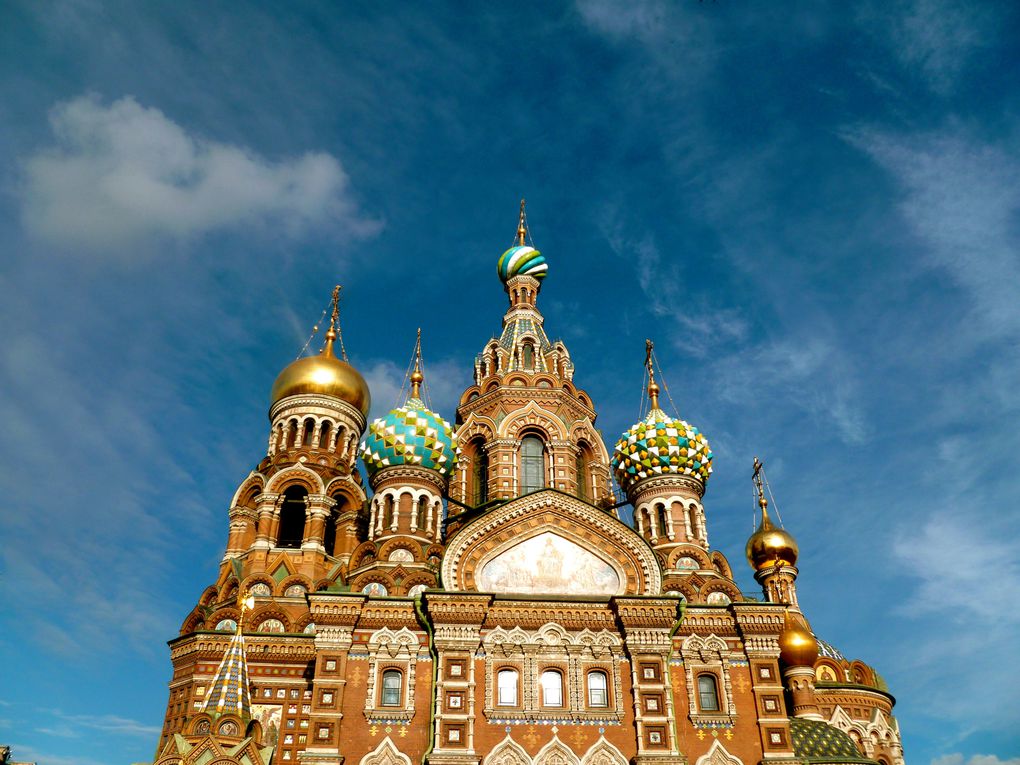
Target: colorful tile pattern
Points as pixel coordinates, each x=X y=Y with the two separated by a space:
x=820 y=742
x=828 y=650
x=660 y=445
x=229 y=691
x=522 y=261
x=410 y=435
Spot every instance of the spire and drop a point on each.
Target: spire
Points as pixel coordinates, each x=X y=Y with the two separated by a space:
x=416 y=376
x=522 y=226
x=333 y=333
x=229 y=692
x=759 y=487
x=653 y=389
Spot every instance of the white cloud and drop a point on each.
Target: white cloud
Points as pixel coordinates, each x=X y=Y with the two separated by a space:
x=975 y=759
x=122 y=173
x=978 y=562
x=961 y=197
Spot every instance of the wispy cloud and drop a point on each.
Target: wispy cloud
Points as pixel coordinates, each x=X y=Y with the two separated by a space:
x=925 y=552
x=445 y=380
x=933 y=38
x=120 y=173
x=960 y=195
x=108 y=724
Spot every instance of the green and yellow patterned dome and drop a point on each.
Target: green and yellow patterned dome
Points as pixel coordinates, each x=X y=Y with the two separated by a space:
x=410 y=435
x=521 y=261
x=661 y=445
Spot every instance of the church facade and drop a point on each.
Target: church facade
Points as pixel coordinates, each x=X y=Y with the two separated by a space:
x=481 y=602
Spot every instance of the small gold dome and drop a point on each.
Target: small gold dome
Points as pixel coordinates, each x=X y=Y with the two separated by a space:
x=797 y=646
x=769 y=546
x=323 y=375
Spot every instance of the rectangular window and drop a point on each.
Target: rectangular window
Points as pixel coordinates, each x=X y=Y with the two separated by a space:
x=391 y=687
x=598 y=695
x=506 y=688
x=552 y=688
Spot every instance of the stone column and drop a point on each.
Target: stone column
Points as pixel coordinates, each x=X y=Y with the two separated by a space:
x=265 y=509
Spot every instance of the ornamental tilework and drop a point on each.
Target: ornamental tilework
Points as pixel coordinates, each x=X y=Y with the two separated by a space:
x=821 y=742
x=522 y=261
x=828 y=650
x=660 y=445
x=410 y=435
x=229 y=692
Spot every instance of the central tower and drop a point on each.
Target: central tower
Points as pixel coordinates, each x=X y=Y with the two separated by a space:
x=524 y=425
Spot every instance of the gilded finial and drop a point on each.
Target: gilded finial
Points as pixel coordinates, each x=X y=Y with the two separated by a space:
x=334 y=320
x=416 y=376
x=522 y=229
x=760 y=489
x=653 y=388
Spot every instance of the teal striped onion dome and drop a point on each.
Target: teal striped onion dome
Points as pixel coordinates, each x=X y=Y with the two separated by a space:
x=660 y=445
x=410 y=435
x=521 y=261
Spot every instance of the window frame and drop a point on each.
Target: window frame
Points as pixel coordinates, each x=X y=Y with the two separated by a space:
x=500 y=673
x=589 y=690
x=712 y=678
x=533 y=461
x=388 y=672
x=543 y=688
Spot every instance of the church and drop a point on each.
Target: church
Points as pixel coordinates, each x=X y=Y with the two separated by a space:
x=482 y=601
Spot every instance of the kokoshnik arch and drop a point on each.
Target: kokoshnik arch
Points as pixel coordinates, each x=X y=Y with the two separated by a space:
x=482 y=603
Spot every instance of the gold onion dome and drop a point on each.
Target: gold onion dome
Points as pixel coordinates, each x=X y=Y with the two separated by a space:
x=770 y=546
x=797 y=645
x=323 y=375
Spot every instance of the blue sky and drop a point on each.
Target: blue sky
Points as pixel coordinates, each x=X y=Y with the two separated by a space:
x=813 y=208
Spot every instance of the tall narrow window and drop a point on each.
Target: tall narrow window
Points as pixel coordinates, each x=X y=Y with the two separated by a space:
x=598 y=689
x=506 y=688
x=582 y=475
x=479 y=473
x=324 y=435
x=532 y=464
x=708 y=693
x=420 y=515
x=309 y=431
x=389 y=508
x=392 y=685
x=329 y=533
x=663 y=520
x=292 y=517
x=529 y=356
x=692 y=516
x=552 y=688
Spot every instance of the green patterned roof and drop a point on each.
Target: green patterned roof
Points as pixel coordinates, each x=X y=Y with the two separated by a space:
x=817 y=741
x=660 y=445
x=410 y=435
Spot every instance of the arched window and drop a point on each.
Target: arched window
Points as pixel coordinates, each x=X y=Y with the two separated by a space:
x=292 y=517
x=581 y=468
x=552 y=688
x=420 y=514
x=598 y=689
x=309 y=432
x=692 y=516
x=506 y=688
x=529 y=356
x=388 y=510
x=329 y=533
x=479 y=473
x=392 y=686
x=292 y=428
x=663 y=520
x=708 y=693
x=324 y=435
x=532 y=464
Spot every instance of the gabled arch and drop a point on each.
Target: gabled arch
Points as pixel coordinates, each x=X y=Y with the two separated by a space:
x=254 y=480
x=556 y=753
x=533 y=416
x=603 y=753
x=385 y=754
x=717 y=755
x=507 y=752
